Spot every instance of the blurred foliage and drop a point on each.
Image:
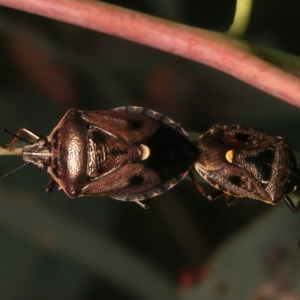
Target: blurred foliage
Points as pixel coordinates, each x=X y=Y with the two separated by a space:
x=48 y=67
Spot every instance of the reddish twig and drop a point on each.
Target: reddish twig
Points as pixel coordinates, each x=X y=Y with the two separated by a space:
x=214 y=49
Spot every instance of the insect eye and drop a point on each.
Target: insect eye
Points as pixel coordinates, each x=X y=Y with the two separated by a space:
x=40 y=142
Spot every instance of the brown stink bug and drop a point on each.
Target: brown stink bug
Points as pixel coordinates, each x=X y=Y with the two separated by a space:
x=241 y=162
x=128 y=153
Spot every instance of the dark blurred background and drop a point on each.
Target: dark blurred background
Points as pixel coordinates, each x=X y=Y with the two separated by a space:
x=52 y=247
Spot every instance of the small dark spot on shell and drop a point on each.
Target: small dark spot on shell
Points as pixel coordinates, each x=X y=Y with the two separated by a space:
x=136 y=180
x=134 y=125
x=236 y=180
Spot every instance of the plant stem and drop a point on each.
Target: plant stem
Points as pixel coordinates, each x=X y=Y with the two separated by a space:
x=217 y=50
x=16 y=151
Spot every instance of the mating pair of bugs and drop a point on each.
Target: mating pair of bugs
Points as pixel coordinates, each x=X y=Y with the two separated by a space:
x=133 y=153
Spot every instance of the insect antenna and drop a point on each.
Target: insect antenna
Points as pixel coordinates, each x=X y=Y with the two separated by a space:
x=16 y=169
x=9 y=150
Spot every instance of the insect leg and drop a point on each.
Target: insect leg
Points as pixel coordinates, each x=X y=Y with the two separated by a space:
x=209 y=197
x=50 y=185
x=215 y=195
x=17 y=136
x=296 y=179
x=230 y=200
x=290 y=204
x=145 y=206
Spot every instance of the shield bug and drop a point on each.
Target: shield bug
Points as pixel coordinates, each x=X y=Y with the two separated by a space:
x=128 y=153
x=241 y=162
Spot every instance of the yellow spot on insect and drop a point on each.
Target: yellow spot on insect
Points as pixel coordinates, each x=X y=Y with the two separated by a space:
x=145 y=152
x=229 y=155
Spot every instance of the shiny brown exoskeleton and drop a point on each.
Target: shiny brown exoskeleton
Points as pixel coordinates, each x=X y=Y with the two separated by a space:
x=133 y=153
x=128 y=153
x=241 y=162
